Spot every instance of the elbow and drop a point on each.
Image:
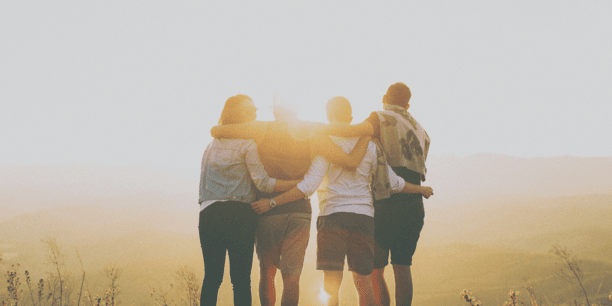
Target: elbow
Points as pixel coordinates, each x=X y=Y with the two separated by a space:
x=351 y=167
x=269 y=187
x=306 y=191
x=352 y=164
x=307 y=195
x=264 y=185
x=214 y=132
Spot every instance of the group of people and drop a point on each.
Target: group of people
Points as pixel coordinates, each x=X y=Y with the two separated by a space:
x=255 y=184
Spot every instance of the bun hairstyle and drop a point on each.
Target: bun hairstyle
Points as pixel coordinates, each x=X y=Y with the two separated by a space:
x=234 y=112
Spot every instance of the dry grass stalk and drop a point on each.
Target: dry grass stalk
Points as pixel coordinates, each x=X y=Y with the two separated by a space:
x=469 y=298
x=28 y=281
x=529 y=288
x=90 y=297
x=571 y=269
x=189 y=286
x=13 y=286
x=112 y=273
x=162 y=297
x=56 y=258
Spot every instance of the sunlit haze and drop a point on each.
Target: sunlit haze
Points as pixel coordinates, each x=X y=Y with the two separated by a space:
x=106 y=109
x=142 y=82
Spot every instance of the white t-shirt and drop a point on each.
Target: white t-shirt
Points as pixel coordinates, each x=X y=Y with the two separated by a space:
x=340 y=190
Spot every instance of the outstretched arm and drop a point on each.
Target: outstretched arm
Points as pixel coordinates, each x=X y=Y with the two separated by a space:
x=249 y=130
x=323 y=145
x=310 y=183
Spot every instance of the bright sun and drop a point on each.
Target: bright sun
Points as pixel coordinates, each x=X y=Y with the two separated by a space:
x=307 y=108
x=323 y=296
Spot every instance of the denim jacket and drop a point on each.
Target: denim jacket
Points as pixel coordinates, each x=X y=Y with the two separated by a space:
x=232 y=171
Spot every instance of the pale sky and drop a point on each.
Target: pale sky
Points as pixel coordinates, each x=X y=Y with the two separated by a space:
x=142 y=82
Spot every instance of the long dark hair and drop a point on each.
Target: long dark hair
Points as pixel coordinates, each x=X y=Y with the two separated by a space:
x=233 y=111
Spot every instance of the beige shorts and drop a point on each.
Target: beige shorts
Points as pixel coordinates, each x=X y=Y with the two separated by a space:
x=281 y=241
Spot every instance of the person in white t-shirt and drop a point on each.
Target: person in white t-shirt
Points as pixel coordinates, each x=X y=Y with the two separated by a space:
x=346 y=219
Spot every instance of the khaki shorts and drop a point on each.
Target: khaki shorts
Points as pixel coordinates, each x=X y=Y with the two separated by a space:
x=281 y=241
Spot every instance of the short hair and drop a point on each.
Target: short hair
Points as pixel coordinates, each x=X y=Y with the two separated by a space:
x=233 y=112
x=398 y=94
x=339 y=108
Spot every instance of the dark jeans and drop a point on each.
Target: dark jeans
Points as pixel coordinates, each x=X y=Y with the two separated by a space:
x=398 y=221
x=227 y=226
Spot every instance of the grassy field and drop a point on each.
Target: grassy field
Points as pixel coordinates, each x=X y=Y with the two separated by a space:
x=483 y=247
x=487 y=229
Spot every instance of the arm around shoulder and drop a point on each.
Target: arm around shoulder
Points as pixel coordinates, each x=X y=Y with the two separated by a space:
x=323 y=145
x=249 y=130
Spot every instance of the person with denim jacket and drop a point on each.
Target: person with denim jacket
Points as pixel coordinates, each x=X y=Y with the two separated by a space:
x=230 y=175
x=286 y=147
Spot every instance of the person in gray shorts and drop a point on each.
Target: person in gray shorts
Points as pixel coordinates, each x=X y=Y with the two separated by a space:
x=346 y=220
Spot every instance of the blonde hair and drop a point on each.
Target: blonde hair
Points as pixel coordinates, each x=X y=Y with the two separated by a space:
x=340 y=109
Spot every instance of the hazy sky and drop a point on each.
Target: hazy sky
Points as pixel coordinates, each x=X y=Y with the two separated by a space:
x=142 y=82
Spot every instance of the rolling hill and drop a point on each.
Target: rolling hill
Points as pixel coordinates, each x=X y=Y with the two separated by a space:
x=488 y=226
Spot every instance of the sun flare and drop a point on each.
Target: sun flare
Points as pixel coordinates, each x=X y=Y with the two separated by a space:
x=306 y=107
x=323 y=296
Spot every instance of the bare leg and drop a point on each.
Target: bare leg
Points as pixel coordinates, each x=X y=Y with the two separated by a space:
x=267 y=289
x=363 y=284
x=381 y=292
x=331 y=284
x=291 y=290
x=403 y=285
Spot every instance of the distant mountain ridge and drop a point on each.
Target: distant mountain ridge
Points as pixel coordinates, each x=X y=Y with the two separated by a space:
x=531 y=223
x=30 y=188
x=484 y=175
x=454 y=179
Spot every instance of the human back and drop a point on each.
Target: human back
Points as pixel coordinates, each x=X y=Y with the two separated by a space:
x=225 y=173
x=400 y=218
x=230 y=173
x=285 y=157
x=348 y=191
x=404 y=140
